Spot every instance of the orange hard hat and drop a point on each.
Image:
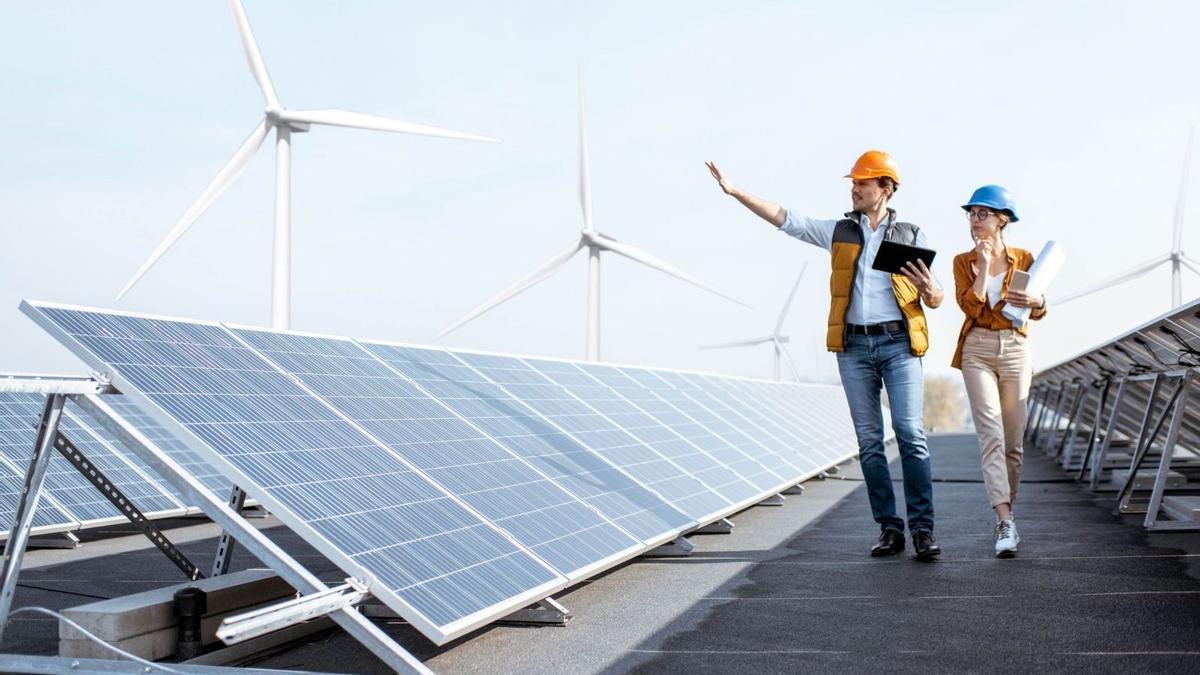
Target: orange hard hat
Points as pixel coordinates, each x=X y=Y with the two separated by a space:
x=875 y=164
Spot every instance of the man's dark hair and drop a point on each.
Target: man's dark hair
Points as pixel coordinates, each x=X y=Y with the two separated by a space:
x=887 y=182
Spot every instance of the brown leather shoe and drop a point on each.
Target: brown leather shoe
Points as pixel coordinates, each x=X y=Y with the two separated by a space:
x=891 y=542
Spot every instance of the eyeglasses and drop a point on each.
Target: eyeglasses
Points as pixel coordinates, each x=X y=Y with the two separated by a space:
x=979 y=214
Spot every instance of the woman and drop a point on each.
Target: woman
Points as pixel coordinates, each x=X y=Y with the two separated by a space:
x=992 y=354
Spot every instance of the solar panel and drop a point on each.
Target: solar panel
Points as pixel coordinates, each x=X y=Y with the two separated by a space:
x=423 y=552
x=565 y=532
x=172 y=446
x=70 y=491
x=16 y=450
x=718 y=419
x=514 y=425
x=766 y=471
x=677 y=487
x=816 y=418
x=647 y=429
x=782 y=413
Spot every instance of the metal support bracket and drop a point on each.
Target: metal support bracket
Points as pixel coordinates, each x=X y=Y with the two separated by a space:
x=773 y=500
x=259 y=622
x=226 y=544
x=1110 y=430
x=96 y=477
x=680 y=548
x=1168 y=451
x=35 y=478
x=546 y=612
x=1146 y=440
x=722 y=526
x=1066 y=444
x=62 y=540
x=1094 y=432
x=794 y=490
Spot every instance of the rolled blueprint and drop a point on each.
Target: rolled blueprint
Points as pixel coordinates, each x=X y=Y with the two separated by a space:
x=1045 y=267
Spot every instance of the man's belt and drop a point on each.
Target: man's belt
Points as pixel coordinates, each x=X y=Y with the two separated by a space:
x=875 y=328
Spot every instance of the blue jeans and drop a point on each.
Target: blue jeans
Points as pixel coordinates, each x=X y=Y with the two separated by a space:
x=869 y=362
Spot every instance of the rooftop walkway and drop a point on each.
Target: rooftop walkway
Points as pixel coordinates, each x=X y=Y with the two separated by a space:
x=791 y=588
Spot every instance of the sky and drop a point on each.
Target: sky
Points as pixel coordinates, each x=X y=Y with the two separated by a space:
x=117 y=114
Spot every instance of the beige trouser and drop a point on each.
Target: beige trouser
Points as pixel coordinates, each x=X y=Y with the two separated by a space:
x=996 y=368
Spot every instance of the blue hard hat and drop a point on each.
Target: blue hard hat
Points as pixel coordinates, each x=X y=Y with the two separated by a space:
x=996 y=198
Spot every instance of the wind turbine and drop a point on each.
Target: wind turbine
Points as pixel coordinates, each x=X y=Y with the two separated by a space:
x=284 y=122
x=777 y=340
x=595 y=243
x=1176 y=256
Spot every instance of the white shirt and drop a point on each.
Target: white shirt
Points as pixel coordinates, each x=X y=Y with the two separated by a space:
x=995 y=284
x=872 y=299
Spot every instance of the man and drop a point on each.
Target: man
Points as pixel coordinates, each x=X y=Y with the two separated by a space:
x=877 y=328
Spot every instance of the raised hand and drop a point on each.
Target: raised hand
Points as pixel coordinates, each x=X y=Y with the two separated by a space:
x=726 y=186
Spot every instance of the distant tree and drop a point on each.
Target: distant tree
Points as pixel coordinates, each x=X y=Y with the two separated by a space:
x=945 y=404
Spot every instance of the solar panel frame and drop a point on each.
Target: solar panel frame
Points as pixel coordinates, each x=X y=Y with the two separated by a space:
x=438 y=633
x=386 y=370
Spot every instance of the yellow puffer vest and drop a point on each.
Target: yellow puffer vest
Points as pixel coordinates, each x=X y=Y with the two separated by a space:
x=847 y=246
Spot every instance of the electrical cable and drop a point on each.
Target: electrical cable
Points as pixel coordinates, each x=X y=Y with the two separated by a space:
x=93 y=638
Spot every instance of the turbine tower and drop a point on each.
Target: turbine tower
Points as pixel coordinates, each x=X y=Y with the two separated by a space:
x=1176 y=256
x=595 y=243
x=284 y=122
x=777 y=340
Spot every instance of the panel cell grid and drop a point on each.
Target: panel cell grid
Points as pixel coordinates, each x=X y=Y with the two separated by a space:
x=154 y=432
x=19 y=415
x=518 y=428
x=354 y=499
x=507 y=491
x=649 y=430
x=797 y=448
x=779 y=451
x=791 y=411
x=765 y=469
x=672 y=483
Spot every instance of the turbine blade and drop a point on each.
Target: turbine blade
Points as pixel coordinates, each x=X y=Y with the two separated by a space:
x=1113 y=281
x=354 y=120
x=791 y=296
x=528 y=281
x=638 y=255
x=585 y=179
x=740 y=343
x=1190 y=264
x=224 y=178
x=787 y=356
x=253 y=55
x=1181 y=199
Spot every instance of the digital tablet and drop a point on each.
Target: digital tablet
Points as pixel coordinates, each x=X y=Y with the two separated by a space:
x=892 y=256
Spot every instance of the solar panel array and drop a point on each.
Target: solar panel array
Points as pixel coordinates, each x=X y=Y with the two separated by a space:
x=460 y=485
x=70 y=502
x=1124 y=391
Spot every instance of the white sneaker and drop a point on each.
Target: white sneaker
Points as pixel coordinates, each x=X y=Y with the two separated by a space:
x=1006 y=539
